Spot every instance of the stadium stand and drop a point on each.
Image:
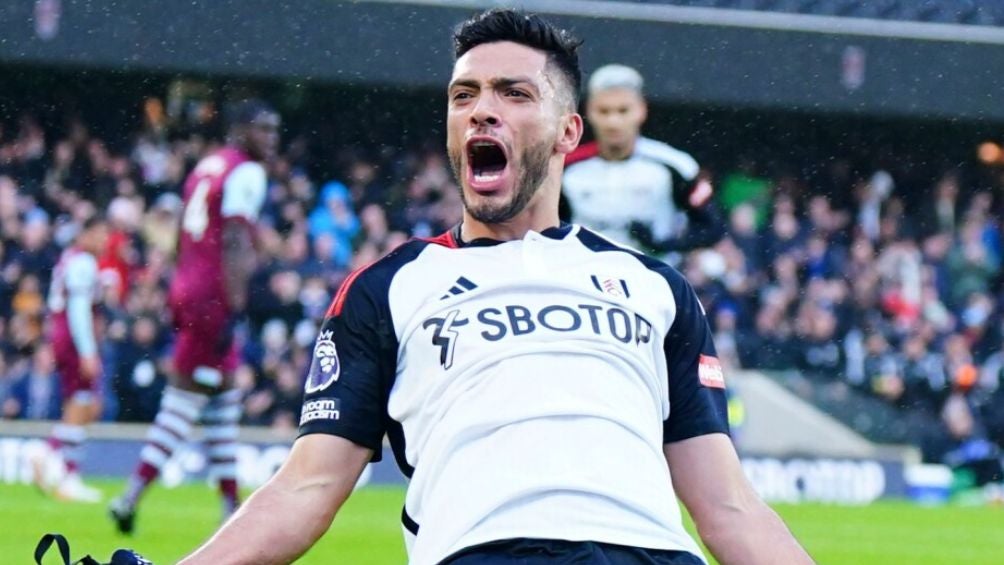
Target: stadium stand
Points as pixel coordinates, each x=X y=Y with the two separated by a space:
x=966 y=12
x=884 y=296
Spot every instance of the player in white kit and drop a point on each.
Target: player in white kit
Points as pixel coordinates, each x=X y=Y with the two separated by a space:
x=548 y=392
x=631 y=188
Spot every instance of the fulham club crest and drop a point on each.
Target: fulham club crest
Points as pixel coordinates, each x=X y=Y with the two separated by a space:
x=325 y=369
x=611 y=285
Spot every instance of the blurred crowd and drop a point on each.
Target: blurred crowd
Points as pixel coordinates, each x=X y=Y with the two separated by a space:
x=892 y=297
x=310 y=236
x=896 y=298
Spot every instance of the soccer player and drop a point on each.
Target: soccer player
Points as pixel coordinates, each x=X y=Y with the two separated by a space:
x=222 y=199
x=73 y=297
x=630 y=188
x=546 y=391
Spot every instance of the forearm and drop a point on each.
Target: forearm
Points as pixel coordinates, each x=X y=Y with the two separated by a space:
x=732 y=520
x=752 y=535
x=81 y=321
x=277 y=524
x=238 y=264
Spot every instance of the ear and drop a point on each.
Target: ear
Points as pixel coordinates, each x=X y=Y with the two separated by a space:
x=571 y=133
x=644 y=110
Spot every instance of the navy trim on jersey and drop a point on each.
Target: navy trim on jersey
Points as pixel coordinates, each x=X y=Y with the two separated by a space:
x=409 y=524
x=395 y=434
x=695 y=409
x=358 y=339
x=554 y=232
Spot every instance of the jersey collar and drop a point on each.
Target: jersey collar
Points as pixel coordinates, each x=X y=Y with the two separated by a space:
x=554 y=232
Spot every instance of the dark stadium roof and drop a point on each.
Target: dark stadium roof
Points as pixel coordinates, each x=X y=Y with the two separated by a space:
x=969 y=12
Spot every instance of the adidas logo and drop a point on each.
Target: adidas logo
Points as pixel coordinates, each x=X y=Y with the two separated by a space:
x=461 y=286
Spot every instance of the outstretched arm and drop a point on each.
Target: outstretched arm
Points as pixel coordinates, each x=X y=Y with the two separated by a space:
x=732 y=520
x=284 y=518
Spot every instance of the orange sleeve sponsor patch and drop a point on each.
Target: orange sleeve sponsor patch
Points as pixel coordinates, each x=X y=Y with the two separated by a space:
x=709 y=371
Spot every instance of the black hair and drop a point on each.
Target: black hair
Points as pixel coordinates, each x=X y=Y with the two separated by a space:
x=505 y=24
x=93 y=220
x=246 y=111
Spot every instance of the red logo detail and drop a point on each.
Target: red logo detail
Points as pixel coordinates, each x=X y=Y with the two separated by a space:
x=709 y=371
x=612 y=287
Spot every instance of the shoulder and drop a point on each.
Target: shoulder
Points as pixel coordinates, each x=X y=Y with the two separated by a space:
x=600 y=244
x=247 y=173
x=371 y=283
x=582 y=153
x=81 y=268
x=80 y=260
x=667 y=155
x=212 y=165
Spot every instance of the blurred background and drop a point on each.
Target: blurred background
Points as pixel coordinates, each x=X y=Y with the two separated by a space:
x=855 y=147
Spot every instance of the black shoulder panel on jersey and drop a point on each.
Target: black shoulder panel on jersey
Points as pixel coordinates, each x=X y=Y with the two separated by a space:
x=697 y=401
x=668 y=156
x=355 y=360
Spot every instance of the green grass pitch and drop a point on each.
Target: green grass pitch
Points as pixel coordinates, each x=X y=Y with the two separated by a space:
x=367 y=530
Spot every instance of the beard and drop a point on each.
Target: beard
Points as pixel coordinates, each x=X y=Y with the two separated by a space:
x=534 y=161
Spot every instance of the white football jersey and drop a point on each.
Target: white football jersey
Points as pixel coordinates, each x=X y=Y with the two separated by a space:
x=527 y=387
x=607 y=196
x=75 y=274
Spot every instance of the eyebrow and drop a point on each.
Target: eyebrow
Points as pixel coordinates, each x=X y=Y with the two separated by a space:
x=500 y=82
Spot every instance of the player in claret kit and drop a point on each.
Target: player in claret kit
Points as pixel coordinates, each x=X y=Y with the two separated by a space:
x=223 y=196
x=548 y=392
x=72 y=303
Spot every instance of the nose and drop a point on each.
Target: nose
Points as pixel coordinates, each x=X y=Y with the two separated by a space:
x=484 y=114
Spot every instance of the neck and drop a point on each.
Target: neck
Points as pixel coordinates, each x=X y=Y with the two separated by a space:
x=615 y=151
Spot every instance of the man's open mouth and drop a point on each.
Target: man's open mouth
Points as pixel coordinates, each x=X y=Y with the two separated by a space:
x=487 y=159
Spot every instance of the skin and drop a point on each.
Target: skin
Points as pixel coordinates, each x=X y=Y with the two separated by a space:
x=616 y=116
x=505 y=92
x=508 y=93
x=732 y=520
x=259 y=138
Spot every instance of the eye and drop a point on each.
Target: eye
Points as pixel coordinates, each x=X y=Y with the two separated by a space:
x=514 y=93
x=461 y=96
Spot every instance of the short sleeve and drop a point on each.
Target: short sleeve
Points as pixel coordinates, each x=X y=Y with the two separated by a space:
x=351 y=371
x=244 y=191
x=697 y=401
x=81 y=274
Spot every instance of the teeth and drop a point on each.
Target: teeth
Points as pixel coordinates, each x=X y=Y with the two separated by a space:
x=487 y=177
x=483 y=144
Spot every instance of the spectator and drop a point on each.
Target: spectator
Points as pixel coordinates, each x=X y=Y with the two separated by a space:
x=285 y=413
x=139 y=375
x=160 y=226
x=33 y=252
x=334 y=218
x=34 y=392
x=971 y=266
x=10 y=407
x=122 y=255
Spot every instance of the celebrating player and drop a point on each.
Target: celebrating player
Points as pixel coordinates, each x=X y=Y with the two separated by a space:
x=74 y=292
x=630 y=188
x=546 y=391
x=223 y=197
